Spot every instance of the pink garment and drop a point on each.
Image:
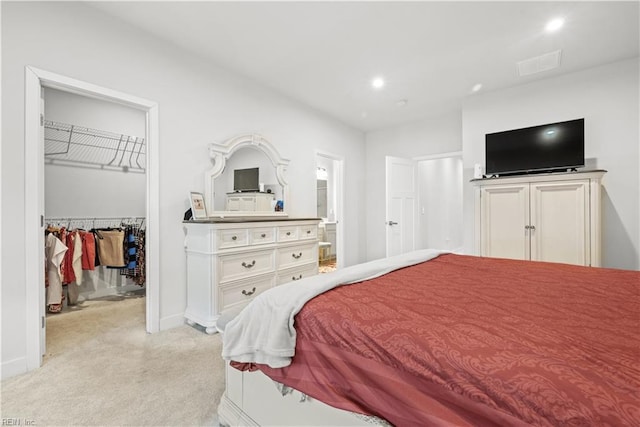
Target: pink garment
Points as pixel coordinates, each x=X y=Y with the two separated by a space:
x=68 y=276
x=88 y=251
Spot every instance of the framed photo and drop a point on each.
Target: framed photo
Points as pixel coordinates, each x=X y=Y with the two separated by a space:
x=198 y=208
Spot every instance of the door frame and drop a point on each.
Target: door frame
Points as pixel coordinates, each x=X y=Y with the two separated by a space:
x=35 y=80
x=338 y=164
x=387 y=209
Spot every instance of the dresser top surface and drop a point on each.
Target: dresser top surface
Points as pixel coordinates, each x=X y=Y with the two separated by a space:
x=236 y=220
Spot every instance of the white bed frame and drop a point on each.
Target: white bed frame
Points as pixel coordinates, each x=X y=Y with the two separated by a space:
x=253 y=399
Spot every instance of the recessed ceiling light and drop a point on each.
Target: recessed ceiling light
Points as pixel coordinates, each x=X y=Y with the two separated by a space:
x=476 y=87
x=554 y=25
x=377 y=83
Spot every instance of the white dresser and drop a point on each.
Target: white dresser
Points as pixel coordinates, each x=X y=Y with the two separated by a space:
x=231 y=261
x=544 y=217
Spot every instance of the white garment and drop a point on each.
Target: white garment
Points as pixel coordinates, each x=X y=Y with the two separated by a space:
x=77 y=257
x=54 y=251
x=263 y=332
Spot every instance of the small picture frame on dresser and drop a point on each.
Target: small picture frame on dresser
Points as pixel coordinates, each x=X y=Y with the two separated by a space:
x=198 y=207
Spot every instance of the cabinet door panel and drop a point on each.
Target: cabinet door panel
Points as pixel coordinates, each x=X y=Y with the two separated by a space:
x=560 y=222
x=504 y=215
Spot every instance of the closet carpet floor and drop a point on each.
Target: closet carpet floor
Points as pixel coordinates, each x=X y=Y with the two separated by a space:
x=101 y=368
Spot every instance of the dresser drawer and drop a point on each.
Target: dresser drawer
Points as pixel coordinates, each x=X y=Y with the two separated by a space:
x=292 y=256
x=259 y=236
x=287 y=234
x=299 y=273
x=232 y=238
x=243 y=291
x=238 y=266
x=308 y=231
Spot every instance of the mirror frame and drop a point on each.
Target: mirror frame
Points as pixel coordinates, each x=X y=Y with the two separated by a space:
x=220 y=153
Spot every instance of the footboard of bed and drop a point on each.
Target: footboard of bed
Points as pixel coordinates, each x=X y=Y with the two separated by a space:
x=252 y=399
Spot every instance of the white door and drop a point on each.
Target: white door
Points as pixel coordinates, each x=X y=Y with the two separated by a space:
x=401 y=205
x=504 y=213
x=560 y=222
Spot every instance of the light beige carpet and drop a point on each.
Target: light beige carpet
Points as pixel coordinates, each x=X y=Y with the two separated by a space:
x=101 y=368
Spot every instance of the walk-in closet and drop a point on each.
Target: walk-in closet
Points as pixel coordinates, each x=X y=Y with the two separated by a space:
x=95 y=213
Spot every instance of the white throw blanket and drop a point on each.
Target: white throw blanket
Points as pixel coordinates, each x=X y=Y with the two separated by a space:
x=263 y=332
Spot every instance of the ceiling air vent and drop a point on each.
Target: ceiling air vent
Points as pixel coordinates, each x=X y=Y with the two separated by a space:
x=538 y=64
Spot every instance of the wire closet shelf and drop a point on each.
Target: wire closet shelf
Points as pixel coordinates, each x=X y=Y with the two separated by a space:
x=76 y=145
x=87 y=223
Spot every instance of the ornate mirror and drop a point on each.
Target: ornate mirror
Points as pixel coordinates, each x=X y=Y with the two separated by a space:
x=238 y=163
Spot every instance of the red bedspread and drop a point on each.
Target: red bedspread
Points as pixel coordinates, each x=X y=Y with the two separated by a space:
x=464 y=340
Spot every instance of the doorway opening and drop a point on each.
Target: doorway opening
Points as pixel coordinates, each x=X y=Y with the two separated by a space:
x=440 y=194
x=329 y=193
x=36 y=82
x=95 y=211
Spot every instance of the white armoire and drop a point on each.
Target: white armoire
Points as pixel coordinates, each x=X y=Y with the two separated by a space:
x=544 y=217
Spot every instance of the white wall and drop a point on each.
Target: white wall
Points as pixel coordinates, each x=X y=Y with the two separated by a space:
x=81 y=190
x=434 y=135
x=198 y=102
x=608 y=98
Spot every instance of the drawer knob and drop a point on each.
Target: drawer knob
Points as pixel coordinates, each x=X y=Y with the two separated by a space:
x=263 y=235
x=297 y=278
x=245 y=265
x=308 y=231
x=297 y=256
x=288 y=233
x=251 y=292
x=234 y=238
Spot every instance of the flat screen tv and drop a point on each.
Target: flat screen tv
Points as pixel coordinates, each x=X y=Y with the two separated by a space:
x=246 y=179
x=550 y=147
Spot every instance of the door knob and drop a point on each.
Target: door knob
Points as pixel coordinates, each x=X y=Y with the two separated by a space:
x=392 y=223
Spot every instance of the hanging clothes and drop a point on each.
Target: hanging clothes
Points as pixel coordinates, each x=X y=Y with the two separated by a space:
x=88 y=250
x=110 y=245
x=77 y=257
x=135 y=251
x=55 y=252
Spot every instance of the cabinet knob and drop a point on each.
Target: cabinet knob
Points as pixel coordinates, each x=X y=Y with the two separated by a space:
x=297 y=278
x=288 y=233
x=263 y=235
x=297 y=256
x=245 y=265
x=234 y=238
x=308 y=231
x=251 y=292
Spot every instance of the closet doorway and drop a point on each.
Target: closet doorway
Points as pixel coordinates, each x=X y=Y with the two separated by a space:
x=440 y=196
x=78 y=100
x=329 y=197
x=95 y=197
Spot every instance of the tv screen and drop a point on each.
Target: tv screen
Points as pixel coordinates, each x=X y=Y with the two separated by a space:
x=554 y=146
x=246 y=179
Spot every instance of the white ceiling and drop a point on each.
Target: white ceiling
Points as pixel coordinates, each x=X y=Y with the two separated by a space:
x=325 y=54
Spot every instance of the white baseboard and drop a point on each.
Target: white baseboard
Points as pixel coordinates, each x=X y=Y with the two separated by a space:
x=172 y=321
x=14 y=367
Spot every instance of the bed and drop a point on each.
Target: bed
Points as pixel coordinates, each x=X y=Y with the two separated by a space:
x=440 y=339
